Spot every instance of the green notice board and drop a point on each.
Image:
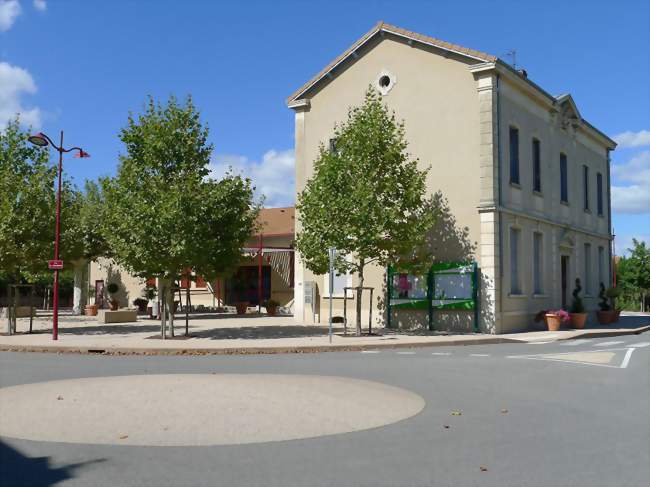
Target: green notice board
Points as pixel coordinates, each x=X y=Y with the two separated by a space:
x=447 y=286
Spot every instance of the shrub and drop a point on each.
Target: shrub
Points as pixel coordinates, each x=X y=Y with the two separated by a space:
x=577 y=306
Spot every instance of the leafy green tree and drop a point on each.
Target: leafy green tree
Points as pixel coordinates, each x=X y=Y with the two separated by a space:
x=367 y=198
x=163 y=213
x=633 y=275
x=26 y=206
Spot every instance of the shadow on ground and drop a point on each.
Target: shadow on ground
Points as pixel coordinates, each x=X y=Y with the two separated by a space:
x=18 y=469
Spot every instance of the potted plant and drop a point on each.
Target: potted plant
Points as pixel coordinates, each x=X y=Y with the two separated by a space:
x=271 y=306
x=612 y=293
x=149 y=293
x=555 y=319
x=91 y=309
x=605 y=315
x=112 y=290
x=578 y=315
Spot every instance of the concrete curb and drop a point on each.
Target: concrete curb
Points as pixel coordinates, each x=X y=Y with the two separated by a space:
x=300 y=349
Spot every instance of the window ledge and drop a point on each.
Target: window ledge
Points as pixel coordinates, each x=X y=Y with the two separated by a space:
x=515 y=185
x=565 y=203
x=538 y=193
x=600 y=215
x=587 y=210
x=517 y=296
x=540 y=296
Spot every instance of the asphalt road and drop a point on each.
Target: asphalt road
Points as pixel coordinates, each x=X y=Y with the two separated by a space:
x=528 y=417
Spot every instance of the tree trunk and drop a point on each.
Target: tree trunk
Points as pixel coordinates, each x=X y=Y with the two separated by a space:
x=170 y=307
x=80 y=286
x=359 y=293
x=162 y=293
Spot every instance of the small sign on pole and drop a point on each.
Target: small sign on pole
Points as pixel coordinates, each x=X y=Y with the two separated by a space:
x=332 y=256
x=55 y=264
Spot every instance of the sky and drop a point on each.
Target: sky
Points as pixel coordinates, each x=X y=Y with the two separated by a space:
x=81 y=66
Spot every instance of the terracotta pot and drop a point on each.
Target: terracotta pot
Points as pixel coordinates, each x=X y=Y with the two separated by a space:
x=617 y=314
x=578 y=320
x=606 y=317
x=271 y=310
x=553 y=322
x=113 y=304
x=241 y=306
x=90 y=310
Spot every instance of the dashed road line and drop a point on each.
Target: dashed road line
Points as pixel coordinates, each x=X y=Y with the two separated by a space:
x=608 y=344
x=370 y=351
x=440 y=353
x=626 y=359
x=479 y=354
x=405 y=353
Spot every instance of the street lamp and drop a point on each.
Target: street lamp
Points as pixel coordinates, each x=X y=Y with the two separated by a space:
x=42 y=140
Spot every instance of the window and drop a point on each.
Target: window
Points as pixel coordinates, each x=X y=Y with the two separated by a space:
x=599 y=193
x=332 y=145
x=564 y=187
x=537 y=263
x=537 y=167
x=585 y=186
x=601 y=264
x=587 y=283
x=514 y=155
x=515 y=287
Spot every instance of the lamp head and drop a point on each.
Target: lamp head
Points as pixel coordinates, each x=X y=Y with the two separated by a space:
x=38 y=140
x=82 y=154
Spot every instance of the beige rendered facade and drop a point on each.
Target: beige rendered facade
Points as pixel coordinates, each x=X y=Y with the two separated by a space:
x=499 y=148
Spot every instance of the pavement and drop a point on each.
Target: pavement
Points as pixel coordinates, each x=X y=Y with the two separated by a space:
x=252 y=334
x=570 y=413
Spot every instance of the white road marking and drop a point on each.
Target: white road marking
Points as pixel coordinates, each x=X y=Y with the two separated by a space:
x=607 y=344
x=440 y=353
x=640 y=344
x=626 y=360
x=540 y=343
x=370 y=351
x=574 y=343
x=405 y=353
x=479 y=354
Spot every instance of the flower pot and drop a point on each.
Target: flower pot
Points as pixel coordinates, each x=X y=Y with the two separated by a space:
x=242 y=307
x=617 y=314
x=113 y=304
x=90 y=310
x=271 y=310
x=578 y=320
x=606 y=317
x=553 y=322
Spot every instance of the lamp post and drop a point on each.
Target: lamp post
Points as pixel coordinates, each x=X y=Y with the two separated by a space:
x=42 y=140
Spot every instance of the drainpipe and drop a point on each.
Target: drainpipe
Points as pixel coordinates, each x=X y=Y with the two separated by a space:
x=499 y=199
x=609 y=217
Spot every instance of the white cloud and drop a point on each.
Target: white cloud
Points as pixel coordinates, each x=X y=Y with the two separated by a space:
x=40 y=5
x=624 y=242
x=633 y=139
x=14 y=82
x=634 y=198
x=273 y=176
x=9 y=10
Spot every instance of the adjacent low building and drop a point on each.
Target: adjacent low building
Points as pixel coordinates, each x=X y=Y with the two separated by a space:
x=526 y=177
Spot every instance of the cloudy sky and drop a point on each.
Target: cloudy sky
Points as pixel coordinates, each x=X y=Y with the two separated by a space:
x=82 y=66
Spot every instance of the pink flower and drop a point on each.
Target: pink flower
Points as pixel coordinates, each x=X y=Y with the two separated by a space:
x=560 y=313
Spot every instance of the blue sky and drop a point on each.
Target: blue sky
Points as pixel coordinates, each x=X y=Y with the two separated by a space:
x=82 y=66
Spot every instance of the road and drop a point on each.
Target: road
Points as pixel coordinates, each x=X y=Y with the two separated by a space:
x=574 y=413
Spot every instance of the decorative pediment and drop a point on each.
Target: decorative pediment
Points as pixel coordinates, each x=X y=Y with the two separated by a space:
x=567 y=241
x=567 y=111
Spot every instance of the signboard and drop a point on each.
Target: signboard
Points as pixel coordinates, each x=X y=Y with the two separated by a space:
x=55 y=264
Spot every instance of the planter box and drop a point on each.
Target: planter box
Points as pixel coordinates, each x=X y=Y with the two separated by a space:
x=25 y=311
x=119 y=316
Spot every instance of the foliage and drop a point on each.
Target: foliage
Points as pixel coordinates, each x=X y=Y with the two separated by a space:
x=149 y=292
x=140 y=302
x=163 y=213
x=271 y=303
x=602 y=295
x=112 y=288
x=26 y=206
x=367 y=198
x=633 y=276
x=577 y=306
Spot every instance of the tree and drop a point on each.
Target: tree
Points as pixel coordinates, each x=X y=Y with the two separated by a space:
x=633 y=274
x=26 y=205
x=82 y=234
x=163 y=212
x=367 y=198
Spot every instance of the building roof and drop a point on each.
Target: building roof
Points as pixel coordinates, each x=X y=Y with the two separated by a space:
x=277 y=221
x=481 y=58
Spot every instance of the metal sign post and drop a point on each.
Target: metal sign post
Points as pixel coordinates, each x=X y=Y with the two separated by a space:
x=332 y=256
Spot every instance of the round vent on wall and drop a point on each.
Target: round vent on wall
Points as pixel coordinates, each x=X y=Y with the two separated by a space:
x=385 y=82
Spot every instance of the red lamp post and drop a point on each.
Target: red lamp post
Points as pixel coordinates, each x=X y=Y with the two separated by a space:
x=42 y=140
